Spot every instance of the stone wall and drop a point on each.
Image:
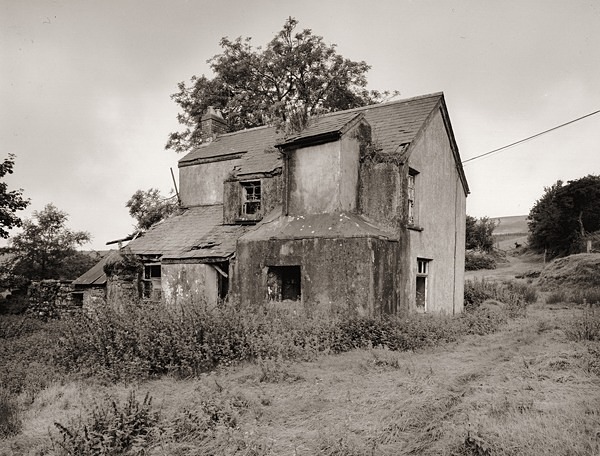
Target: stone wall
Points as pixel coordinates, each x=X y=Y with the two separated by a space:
x=51 y=299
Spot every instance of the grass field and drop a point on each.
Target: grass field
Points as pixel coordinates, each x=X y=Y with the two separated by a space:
x=530 y=388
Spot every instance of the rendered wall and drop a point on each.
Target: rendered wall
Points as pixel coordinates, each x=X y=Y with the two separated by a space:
x=380 y=194
x=323 y=178
x=202 y=184
x=338 y=275
x=189 y=284
x=440 y=210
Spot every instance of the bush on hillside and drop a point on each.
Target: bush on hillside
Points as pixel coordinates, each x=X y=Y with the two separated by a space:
x=475 y=261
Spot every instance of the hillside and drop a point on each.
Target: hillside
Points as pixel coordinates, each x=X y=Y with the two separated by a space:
x=515 y=224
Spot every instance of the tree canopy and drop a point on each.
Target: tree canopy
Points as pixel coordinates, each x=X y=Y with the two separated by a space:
x=564 y=215
x=296 y=76
x=46 y=248
x=10 y=201
x=479 y=233
x=149 y=207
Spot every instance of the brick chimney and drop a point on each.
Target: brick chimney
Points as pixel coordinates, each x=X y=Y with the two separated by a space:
x=213 y=124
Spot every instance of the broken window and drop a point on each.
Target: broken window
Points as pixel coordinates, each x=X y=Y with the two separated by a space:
x=412 y=218
x=284 y=283
x=422 y=276
x=152 y=282
x=251 y=197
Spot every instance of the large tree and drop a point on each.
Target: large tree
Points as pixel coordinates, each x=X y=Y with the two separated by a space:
x=296 y=76
x=46 y=248
x=10 y=201
x=150 y=207
x=564 y=215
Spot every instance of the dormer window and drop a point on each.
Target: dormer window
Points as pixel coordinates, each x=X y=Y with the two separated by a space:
x=251 y=197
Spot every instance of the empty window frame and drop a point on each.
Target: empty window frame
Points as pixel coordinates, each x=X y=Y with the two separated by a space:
x=152 y=282
x=251 y=197
x=412 y=209
x=284 y=283
x=421 y=286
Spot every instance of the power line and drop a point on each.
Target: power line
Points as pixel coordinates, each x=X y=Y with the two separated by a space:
x=531 y=137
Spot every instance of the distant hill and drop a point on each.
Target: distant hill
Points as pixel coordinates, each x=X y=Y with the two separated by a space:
x=515 y=224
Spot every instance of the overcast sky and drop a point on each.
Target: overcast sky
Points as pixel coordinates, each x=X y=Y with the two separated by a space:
x=85 y=88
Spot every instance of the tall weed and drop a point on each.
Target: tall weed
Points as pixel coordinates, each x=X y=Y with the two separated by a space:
x=585 y=326
x=111 y=428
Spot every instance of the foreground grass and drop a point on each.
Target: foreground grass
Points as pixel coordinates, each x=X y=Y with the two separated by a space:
x=525 y=390
x=530 y=388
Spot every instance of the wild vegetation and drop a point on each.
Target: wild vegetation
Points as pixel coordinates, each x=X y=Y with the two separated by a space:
x=563 y=216
x=269 y=383
x=11 y=201
x=296 y=75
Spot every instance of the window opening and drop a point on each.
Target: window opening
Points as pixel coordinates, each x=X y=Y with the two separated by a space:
x=152 y=282
x=412 y=174
x=421 y=286
x=284 y=283
x=77 y=298
x=251 y=197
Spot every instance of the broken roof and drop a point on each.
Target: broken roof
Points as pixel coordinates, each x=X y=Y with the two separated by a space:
x=196 y=233
x=256 y=146
x=95 y=275
x=394 y=126
x=334 y=225
x=323 y=129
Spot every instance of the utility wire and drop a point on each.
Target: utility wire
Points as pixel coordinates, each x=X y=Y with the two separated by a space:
x=530 y=137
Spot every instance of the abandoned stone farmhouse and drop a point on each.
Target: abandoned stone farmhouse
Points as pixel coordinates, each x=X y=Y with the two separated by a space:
x=363 y=210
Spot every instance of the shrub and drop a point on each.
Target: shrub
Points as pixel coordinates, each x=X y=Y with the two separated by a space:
x=476 y=261
x=10 y=421
x=556 y=297
x=585 y=326
x=110 y=429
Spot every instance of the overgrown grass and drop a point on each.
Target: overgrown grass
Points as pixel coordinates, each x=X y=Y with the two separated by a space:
x=140 y=343
x=514 y=295
x=10 y=420
x=585 y=326
x=110 y=428
x=579 y=296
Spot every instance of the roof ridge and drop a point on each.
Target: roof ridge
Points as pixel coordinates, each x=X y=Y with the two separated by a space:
x=328 y=114
x=385 y=103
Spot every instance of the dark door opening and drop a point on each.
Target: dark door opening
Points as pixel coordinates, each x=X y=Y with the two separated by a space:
x=284 y=283
x=223 y=279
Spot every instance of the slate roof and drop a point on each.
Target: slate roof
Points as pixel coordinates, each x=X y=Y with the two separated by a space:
x=393 y=125
x=331 y=125
x=335 y=225
x=196 y=233
x=199 y=232
x=256 y=145
x=95 y=275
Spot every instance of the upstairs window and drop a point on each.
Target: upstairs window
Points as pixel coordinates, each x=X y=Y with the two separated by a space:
x=412 y=210
x=251 y=197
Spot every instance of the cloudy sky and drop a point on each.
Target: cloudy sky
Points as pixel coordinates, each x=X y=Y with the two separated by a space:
x=85 y=88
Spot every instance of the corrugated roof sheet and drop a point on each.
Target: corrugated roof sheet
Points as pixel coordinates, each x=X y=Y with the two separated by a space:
x=196 y=233
x=336 y=225
x=95 y=275
x=393 y=125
